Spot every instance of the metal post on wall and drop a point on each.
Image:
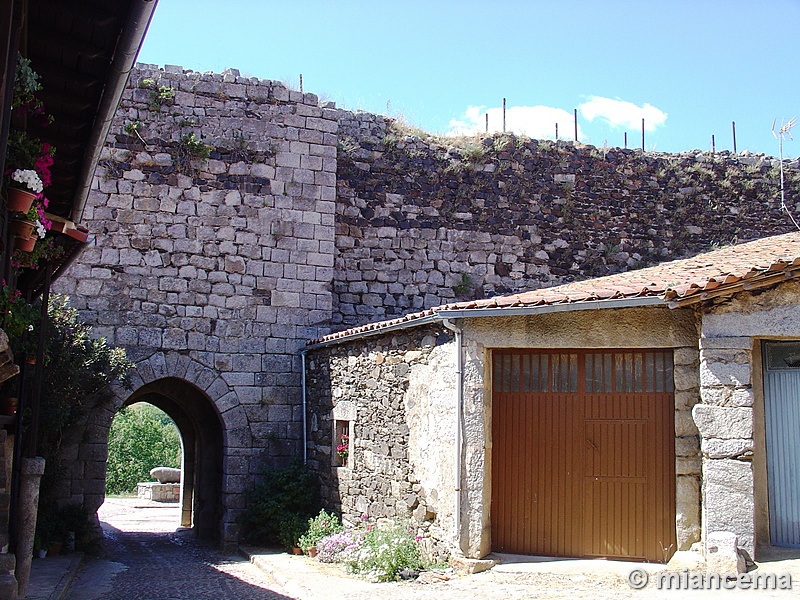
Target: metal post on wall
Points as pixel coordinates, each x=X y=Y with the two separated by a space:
x=733 y=130
x=575 y=118
x=642 y=136
x=504 y=115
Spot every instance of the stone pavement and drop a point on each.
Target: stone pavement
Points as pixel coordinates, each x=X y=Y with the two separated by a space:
x=51 y=576
x=147 y=556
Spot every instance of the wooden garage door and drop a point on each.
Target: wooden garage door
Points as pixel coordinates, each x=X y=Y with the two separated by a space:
x=583 y=453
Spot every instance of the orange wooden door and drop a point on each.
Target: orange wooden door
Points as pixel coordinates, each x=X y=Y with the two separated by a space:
x=583 y=453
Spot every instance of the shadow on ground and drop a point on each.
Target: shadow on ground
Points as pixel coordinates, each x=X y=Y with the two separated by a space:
x=166 y=564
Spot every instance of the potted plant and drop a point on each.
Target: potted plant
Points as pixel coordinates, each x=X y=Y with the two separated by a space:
x=18 y=317
x=323 y=525
x=41 y=252
x=23 y=187
x=290 y=530
x=33 y=225
x=343 y=448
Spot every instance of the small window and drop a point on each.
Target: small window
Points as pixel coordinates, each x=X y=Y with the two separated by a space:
x=342 y=446
x=782 y=356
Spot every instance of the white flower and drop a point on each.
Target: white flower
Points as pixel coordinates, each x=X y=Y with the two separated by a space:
x=40 y=230
x=30 y=178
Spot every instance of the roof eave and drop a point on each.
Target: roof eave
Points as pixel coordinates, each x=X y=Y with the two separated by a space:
x=476 y=313
x=130 y=41
x=760 y=281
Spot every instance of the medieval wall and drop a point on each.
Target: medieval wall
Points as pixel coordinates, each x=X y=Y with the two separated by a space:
x=223 y=262
x=424 y=221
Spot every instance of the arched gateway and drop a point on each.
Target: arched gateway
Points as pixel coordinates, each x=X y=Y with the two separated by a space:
x=201 y=432
x=216 y=442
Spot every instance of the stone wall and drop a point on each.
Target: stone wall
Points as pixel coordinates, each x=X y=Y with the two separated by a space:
x=398 y=394
x=731 y=416
x=222 y=263
x=425 y=221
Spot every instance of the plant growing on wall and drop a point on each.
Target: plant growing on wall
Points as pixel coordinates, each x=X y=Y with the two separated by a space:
x=464 y=285
x=191 y=148
x=161 y=95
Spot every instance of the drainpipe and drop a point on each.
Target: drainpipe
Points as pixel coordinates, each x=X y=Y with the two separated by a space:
x=459 y=413
x=303 y=392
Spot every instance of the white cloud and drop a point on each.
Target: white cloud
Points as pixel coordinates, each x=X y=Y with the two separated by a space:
x=619 y=113
x=538 y=122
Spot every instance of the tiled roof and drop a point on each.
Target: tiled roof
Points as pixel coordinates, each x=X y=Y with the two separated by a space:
x=680 y=282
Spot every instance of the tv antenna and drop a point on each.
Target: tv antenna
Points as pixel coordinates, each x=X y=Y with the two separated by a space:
x=784 y=131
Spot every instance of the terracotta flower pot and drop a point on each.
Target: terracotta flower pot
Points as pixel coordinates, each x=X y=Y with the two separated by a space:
x=312 y=551
x=25 y=245
x=297 y=550
x=22 y=228
x=19 y=200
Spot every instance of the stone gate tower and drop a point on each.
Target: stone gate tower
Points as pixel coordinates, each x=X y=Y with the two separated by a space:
x=211 y=272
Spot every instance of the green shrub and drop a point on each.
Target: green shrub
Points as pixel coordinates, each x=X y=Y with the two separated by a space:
x=386 y=552
x=77 y=371
x=291 y=530
x=281 y=495
x=141 y=438
x=323 y=525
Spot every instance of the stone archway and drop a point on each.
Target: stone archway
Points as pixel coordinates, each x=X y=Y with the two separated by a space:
x=218 y=443
x=201 y=431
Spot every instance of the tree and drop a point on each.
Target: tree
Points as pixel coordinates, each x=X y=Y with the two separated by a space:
x=141 y=438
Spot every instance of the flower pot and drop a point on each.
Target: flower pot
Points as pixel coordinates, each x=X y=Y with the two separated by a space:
x=54 y=549
x=41 y=553
x=297 y=550
x=25 y=245
x=19 y=200
x=312 y=551
x=22 y=228
x=8 y=405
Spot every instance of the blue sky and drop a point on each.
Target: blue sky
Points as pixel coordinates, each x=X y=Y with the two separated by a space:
x=689 y=68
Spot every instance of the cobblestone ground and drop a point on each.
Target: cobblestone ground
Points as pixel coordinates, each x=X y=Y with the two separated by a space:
x=144 y=560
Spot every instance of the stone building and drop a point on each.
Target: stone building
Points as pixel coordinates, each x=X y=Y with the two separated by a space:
x=627 y=416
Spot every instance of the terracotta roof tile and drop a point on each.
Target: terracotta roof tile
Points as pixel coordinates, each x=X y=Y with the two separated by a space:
x=679 y=282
